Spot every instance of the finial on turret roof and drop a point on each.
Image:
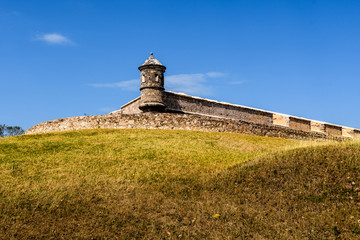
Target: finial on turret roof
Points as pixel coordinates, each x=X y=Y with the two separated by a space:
x=152 y=61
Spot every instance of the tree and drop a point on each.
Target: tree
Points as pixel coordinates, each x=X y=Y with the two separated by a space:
x=13 y=131
x=2 y=130
x=8 y=131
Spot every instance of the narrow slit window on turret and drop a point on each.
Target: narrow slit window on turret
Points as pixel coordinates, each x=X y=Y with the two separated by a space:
x=156 y=78
x=142 y=78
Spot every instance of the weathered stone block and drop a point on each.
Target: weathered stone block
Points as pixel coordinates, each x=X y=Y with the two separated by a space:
x=347 y=132
x=317 y=126
x=333 y=129
x=300 y=124
x=281 y=119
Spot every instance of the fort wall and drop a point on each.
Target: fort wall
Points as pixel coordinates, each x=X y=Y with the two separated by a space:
x=191 y=113
x=181 y=111
x=182 y=103
x=173 y=121
x=333 y=130
x=188 y=104
x=356 y=133
x=131 y=107
x=300 y=124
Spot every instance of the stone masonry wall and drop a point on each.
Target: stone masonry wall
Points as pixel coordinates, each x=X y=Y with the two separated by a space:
x=300 y=124
x=188 y=104
x=333 y=130
x=182 y=103
x=131 y=107
x=317 y=126
x=356 y=133
x=281 y=119
x=172 y=121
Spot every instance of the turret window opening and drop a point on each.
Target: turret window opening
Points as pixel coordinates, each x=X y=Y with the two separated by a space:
x=156 y=78
x=142 y=78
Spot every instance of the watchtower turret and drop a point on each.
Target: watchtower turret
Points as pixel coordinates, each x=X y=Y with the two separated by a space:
x=152 y=85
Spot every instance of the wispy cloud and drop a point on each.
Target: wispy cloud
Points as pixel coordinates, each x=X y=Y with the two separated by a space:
x=216 y=74
x=197 y=83
x=54 y=38
x=189 y=83
x=129 y=85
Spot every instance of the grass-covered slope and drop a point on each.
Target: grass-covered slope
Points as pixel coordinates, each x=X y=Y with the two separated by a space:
x=154 y=184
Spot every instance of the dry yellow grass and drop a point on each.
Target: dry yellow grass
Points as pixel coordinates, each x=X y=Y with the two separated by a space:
x=154 y=184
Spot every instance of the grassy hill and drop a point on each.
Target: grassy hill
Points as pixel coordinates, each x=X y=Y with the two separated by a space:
x=161 y=184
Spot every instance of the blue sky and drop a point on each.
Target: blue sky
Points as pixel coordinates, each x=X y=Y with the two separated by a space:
x=65 y=58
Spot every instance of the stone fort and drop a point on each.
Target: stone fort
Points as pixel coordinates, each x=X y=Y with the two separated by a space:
x=156 y=108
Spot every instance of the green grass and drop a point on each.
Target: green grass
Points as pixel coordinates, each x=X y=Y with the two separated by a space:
x=155 y=184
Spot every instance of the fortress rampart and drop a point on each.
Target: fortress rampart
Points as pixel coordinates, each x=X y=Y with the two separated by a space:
x=157 y=108
x=173 y=121
x=182 y=103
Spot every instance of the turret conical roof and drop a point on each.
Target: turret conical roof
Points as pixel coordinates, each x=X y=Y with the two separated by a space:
x=152 y=61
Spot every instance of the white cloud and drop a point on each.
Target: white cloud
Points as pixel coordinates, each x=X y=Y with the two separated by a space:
x=192 y=83
x=54 y=38
x=188 y=83
x=196 y=84
x=129 y=85
x=215 y=74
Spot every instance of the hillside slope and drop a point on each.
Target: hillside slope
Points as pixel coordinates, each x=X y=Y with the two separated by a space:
x=153 y=184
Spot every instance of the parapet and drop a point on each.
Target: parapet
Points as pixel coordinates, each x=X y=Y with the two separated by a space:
x=183 y=103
